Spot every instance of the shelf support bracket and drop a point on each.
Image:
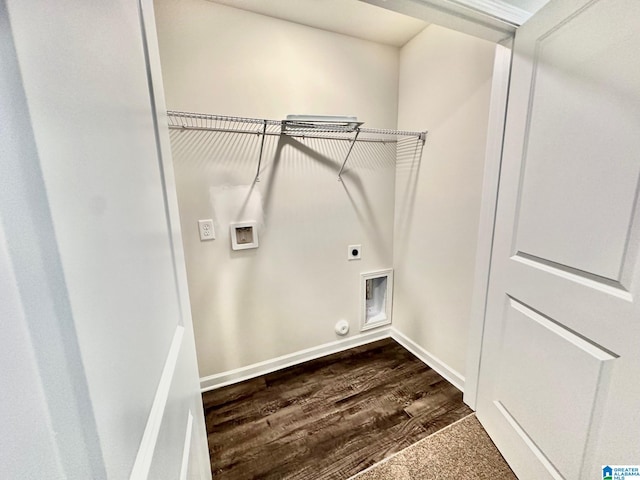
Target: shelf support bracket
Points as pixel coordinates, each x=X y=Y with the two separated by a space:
x=353 y=142
x=264 y=135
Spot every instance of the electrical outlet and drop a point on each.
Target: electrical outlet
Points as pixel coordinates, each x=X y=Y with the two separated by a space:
x=205 y=227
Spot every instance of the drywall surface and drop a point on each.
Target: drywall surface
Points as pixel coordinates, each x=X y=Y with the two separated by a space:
x=445 y=82
x=254 y=305
x=222 y=60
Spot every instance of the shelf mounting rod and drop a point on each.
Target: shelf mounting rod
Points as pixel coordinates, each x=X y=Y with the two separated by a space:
x=353 y=142
x=264 y=135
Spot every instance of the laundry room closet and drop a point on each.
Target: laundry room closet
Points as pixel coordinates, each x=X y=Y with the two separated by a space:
x=409 y=205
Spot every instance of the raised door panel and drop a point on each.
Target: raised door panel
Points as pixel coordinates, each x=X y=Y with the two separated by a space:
x=106 y=216
x=581 y=172
x=543 y=364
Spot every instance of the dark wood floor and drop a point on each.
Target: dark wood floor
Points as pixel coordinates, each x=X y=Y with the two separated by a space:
x=328 y=418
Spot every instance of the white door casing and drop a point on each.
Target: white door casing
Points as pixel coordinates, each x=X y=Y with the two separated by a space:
x=558 y=387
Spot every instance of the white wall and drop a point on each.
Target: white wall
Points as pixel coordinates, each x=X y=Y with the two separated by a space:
x=87 y=230
x=227 y=61
x=445 y=82
x=286 y=296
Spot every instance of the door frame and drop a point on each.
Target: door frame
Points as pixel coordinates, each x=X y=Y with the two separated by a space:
x=487 y=219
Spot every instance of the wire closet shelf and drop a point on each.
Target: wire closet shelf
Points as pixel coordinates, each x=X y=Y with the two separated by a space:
x=351 y=131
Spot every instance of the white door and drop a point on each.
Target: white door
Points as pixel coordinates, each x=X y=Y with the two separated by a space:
x=99 y=377
x=559 y=387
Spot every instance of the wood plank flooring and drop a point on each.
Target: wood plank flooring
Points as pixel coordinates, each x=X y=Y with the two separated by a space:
x=329 y=418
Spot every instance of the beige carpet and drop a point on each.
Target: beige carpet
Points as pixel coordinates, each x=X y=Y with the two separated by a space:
x=463 y=450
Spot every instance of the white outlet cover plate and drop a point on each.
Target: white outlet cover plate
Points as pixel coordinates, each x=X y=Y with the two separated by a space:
x=350 y=254
x=205 y=227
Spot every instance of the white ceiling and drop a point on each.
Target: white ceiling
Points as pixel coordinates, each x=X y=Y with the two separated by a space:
x=395 y=22
x=349 y=17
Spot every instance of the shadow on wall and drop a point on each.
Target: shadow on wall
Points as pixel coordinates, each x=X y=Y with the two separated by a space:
x=409 y=147
x=202 y=150
x=408 y=162
x=247 y=304
x=366 y=154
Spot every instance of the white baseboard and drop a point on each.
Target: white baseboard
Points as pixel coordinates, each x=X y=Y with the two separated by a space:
x=257 y=369
x=454 y=377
